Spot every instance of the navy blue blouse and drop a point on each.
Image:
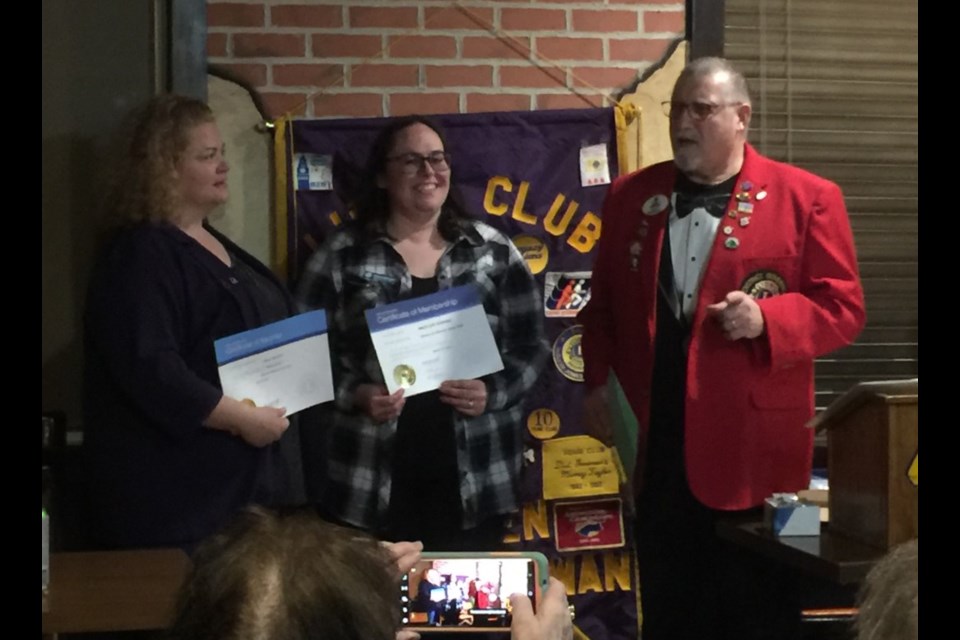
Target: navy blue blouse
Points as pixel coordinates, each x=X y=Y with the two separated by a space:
x=156 y=303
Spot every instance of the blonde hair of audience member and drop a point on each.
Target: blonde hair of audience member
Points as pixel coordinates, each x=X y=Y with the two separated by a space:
x=289 y=575
x=144 y=180
x=890 y=597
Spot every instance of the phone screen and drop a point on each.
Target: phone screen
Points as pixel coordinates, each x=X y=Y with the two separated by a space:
x=465 y=593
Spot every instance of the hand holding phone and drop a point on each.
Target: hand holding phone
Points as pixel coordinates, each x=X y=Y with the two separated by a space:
x=469 y=591
x=551 y=622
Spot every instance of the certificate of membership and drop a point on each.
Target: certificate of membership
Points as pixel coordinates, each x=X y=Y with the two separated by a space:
x=281 y=364
x=424 y=341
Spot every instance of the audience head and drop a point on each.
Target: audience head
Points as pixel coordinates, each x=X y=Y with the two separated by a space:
x=890 y=596
x=289 y=575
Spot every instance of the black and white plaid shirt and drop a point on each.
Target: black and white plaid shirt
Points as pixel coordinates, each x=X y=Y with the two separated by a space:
x=351 y=273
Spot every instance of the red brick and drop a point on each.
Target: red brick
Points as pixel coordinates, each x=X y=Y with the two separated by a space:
x=570 y=48
x=638 y=49
x=478 y=102
x=267 y=45
x=532 y=19
x=490 y=47
x=392 y=17
x=532 y=77
x=459 y=75
x=450 y=18
x=216 y=45
x=233 y=14
x=278 y=104
x=569 y=101
x=663 y=22
x=421 y=47
x=402 y=104
x=330 y=45
x=251 y=75
x=357 y=105
x=604 y=76
x=308 y=75
x=298 y=15
x=383 y=75
x=680 y=4
x=605 y=21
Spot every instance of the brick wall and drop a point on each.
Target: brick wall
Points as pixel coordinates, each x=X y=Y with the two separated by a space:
x=329 y=58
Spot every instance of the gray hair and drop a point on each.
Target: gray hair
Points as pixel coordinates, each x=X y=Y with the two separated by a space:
x=890 y=596
x=701 y=67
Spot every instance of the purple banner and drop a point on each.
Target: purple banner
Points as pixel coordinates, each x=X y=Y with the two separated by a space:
x=523 y=173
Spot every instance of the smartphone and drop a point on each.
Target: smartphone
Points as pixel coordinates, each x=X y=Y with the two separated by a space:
x=469 y=591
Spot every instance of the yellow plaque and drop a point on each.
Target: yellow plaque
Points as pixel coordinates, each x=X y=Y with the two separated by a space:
x=543 y=424
x=578 y=466
x=914 y=472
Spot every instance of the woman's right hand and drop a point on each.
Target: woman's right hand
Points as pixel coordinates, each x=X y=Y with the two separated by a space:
x=377 y=403
x=258 y=426
x=261 y=426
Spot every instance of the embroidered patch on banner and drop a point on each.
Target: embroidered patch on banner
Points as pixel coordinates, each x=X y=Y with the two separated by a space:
x=567 y=356
x=535 y=252
x=578 y=467
x=565 y=294
x=588 y=525
x=543 y=424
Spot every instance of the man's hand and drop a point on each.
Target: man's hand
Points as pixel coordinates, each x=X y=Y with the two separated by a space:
x=738 y=315
x=596 y=415
x=376 y=402
x=552 y=621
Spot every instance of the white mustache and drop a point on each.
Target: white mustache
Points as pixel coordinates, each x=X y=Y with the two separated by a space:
x=687 y=136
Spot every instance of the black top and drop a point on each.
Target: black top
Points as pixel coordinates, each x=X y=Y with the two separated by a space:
x=425 y=492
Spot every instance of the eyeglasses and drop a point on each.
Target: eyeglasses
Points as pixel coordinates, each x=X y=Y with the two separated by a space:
x=412 y=163
x=698 y=110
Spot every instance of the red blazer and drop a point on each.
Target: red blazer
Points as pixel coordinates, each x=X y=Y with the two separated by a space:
x=747 y=400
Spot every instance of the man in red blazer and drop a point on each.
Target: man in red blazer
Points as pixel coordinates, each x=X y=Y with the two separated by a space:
x=719 y=278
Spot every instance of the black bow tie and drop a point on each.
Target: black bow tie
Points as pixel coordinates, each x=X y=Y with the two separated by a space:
x=714 y=203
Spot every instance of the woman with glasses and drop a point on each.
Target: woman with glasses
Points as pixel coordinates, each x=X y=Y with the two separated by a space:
x=442 y=466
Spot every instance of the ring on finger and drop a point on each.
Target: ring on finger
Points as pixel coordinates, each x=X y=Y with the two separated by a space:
x=470 y=404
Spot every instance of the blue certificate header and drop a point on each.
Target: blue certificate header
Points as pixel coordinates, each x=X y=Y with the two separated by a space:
x=270 y=336
x=423 y=308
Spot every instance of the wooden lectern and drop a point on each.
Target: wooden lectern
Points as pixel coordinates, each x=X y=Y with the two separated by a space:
x=872 y=459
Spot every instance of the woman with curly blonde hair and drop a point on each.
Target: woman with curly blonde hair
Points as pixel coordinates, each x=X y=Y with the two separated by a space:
x=171 y=458
x=145 y=177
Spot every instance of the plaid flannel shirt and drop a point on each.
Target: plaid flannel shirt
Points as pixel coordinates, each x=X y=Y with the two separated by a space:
x=351 y=273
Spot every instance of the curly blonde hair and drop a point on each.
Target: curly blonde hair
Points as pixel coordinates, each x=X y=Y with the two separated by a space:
x=144 y=181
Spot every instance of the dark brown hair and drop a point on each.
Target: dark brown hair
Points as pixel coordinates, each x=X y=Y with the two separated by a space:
x=370 y=201
x=292 y=576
